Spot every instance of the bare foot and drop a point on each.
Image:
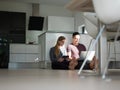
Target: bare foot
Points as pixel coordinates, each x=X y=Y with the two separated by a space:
x=94 y=63
x=71 y=67
x=73 y=64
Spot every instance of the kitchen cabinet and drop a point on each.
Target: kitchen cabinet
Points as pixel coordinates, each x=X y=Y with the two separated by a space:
x=24 y=52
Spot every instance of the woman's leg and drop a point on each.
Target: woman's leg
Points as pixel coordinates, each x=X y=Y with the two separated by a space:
x=60 y=65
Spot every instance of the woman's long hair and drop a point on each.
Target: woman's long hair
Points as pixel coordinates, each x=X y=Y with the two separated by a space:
x=57 y=49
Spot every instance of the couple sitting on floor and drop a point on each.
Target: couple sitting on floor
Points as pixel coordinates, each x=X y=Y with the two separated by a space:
x=73 y=60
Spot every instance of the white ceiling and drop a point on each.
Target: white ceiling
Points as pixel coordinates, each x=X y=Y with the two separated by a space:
x=50 y=2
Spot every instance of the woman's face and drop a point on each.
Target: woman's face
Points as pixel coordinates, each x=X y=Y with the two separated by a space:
x=61 y=43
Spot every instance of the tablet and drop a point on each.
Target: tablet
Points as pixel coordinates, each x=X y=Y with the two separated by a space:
x=65 y=57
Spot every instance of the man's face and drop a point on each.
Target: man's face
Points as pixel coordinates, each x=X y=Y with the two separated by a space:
x=76 y=39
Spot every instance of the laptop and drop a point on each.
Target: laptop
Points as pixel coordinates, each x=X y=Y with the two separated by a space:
x=84 y=55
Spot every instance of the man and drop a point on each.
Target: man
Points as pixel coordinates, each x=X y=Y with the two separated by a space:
x=74 y=51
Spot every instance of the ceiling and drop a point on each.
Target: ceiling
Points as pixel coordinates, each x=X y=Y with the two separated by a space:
x=73 y=5
x=50 y=2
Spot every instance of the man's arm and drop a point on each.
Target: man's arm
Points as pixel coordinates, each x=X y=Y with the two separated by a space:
x=69 y=53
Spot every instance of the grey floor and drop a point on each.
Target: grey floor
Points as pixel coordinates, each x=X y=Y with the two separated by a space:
x=43 y=79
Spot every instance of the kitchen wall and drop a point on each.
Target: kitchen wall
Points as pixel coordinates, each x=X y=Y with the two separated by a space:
x=44 y=10
x=79 y=20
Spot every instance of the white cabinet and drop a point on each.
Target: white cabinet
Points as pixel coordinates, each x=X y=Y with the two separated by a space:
x=17 y=48
x=17 y=57
x=34 y=49
x=24 y=52
x=114 y=50
x=60 y=24
x=32 y=57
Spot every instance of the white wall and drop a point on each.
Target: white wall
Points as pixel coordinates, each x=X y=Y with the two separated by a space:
x=48 y=10
x=15 y=6
x=79 y=20
x=45 y=10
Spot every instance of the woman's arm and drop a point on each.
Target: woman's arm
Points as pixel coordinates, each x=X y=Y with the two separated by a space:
x=52 y=55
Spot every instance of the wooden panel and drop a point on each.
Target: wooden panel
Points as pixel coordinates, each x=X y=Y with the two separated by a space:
x=80 y=5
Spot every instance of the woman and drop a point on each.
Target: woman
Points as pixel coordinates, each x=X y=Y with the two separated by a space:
x=56 y=56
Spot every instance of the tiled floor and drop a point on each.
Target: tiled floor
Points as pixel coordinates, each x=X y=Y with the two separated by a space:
x=41 y=79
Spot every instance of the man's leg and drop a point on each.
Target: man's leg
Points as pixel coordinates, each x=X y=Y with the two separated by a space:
x=94 y=63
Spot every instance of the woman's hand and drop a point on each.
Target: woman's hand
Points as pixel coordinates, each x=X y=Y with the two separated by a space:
x=60 y=59
x=68 y=59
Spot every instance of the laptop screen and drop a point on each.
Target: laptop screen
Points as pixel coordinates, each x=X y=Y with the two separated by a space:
x=87 y=54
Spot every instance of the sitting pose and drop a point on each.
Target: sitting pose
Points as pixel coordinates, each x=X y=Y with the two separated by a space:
x=56 y=56
x=74 y=50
